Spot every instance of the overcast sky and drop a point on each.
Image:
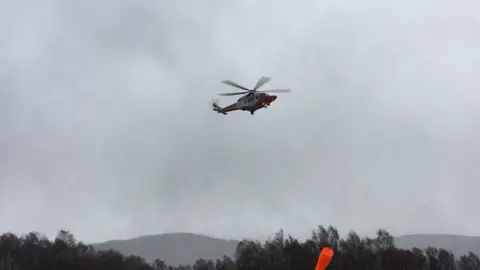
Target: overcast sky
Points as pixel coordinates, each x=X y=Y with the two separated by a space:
x=107 y=131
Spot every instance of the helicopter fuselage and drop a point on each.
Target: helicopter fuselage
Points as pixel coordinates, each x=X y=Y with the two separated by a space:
x=250 y=102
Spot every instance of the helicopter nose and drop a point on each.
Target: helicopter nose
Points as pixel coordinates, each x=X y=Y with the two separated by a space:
x=273 y=98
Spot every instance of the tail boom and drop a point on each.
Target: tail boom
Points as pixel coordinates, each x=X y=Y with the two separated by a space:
x=224 y=110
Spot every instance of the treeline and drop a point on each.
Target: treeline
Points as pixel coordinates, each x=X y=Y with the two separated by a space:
x=35 y=252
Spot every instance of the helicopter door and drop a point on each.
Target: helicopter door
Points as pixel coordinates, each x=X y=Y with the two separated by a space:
x=249 y=98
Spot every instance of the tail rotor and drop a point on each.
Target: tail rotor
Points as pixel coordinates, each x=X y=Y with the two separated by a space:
x=217 y=108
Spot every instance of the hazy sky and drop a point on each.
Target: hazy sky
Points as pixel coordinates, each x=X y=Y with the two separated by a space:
x=107 y=131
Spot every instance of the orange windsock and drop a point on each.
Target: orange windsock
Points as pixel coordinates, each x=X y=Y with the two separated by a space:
x=324 y=259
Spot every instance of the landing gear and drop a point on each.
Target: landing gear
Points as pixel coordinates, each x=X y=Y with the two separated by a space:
x=251 y=112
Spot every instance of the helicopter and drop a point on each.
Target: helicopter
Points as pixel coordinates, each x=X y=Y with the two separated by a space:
x=252 y=100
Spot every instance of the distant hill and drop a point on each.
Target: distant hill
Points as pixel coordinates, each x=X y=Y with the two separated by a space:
x=186 y=248
x=458 y=244
x=173 y=248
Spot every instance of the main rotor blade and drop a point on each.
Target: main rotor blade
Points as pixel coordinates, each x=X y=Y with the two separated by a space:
x=233 y=94
x=263 y=80
x=275 y=91
x=235 y=85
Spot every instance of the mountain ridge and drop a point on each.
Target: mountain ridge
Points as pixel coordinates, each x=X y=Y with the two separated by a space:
x=183 y=248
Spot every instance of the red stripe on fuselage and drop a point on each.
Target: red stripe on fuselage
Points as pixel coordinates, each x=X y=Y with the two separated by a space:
x=230 y=107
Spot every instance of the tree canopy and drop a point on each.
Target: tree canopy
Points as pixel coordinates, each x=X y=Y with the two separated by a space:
x=33 y=251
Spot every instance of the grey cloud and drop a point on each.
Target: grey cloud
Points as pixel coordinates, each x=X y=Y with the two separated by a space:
x=107 y=130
